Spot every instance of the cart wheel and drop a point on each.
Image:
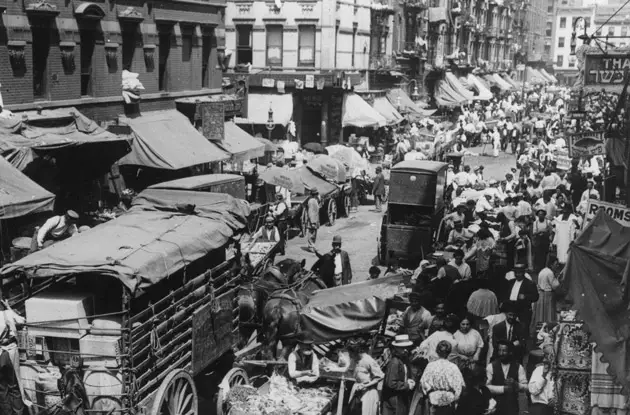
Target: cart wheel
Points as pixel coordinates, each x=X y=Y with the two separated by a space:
x=236 y=376
x=347 y=204
x=332 y=212
x=177 y=395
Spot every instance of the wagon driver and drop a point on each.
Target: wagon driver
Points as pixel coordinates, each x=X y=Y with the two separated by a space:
x=57 y=229
x=303 y=364
x=267 y=233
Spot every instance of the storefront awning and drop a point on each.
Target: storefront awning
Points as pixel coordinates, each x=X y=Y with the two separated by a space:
x=445 y=96
x=547 y=75
x=503 y=84
x=458 y=87
x=358 y=113
x=398 y=97
x=533 y=76
x=258 y=108
x=515 y=84
x=19 y=195
x=167 y=140
x=387 y=110
x=483 y=93
x=240 y=144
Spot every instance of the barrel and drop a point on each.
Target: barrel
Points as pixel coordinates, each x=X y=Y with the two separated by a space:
x=47 y=390
x=104 y=389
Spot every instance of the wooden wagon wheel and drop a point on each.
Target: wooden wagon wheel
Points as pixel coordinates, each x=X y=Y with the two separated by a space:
x=236 y=376
x=332 y=212
x=347 y=204
x=177 y=395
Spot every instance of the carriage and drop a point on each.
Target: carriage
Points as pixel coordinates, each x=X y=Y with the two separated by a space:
x=141 y=308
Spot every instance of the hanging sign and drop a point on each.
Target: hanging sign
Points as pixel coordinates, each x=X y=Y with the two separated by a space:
x=604 y=70
x=619 y=213
x=587 y=143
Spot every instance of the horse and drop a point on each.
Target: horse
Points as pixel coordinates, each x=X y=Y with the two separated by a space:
x=254 y=293
x=281 y=313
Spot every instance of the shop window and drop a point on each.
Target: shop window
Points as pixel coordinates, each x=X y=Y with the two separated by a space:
x=206 y=48
x=561 y=42
x=571 y=61
x=624 y=31
x=243 y=44
x=306 y=42
x=88 y=43
x=559 y=60
x=563 y=22
x=41 y=49
x=165 y=51
x=274 y=45
x=130 y=37
x=187 y=46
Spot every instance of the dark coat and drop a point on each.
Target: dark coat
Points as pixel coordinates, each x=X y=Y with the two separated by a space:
x=378 y=189
x=325 y=268
x=473 y=401
x=500 y=332
x=396 y=395
x=528 y=289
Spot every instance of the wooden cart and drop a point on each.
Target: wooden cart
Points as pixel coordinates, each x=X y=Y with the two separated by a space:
x=177 y=322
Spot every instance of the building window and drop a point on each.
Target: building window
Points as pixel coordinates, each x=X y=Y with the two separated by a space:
x=549 y=28
x=550 y=8
x=563 y=22
x=561 y=42
x=243 y=45
x=559 y=60
x=274 y=45
x=354 y=47
x=41 y=49
x=571 y=61
x=187 y=46
x=624 y=31
x=611 y=30
x=88 y=43
x=547 y=50
x=129 y=43
x=206 y=48
x=306 y=42
x=165 y=51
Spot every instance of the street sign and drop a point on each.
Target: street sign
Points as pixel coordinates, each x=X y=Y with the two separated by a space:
x=587 y=143
x=619 y=213
x=606 y=70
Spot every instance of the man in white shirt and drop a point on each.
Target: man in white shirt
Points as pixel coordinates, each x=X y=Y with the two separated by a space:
x=483 y=204
x=542 y=390
x=462 y=179
x=303 y=364
x=586 y=195
x=57 y=229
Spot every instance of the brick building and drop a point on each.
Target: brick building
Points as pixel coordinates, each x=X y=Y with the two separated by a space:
x=61 y=54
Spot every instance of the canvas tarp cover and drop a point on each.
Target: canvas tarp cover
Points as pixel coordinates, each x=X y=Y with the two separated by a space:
x=348 y=310
x=19 y=195
x=25 y=135
x=397 y=96
x=483 y=93
x=596 y=277
x=240 y=144
x=387 y=110
x=145 y=245
x=309 y=181
x=167 y=140
x=358 y=113
x=503 y=84
x=446 y=96
x=533 y=76
x=458 y=87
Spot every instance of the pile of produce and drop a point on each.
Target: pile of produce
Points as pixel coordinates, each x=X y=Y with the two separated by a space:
x=259 y=250
x=394 y=322
x=283 y=398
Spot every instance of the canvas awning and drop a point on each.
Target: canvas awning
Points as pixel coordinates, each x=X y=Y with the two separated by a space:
x=547 y=75
x=241 y=145
x=483 y=93
x=503 y=84
x=446 y=96
x=387 y=110
x=533 y=76
x=152 y=241
x=358 y=113
x=458 y=87
x=19 y=195
x=515 y=84
x=258 y=106
x=167 y=140
x=398 y=97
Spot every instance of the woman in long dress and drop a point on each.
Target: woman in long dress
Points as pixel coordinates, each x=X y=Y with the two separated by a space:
x=469 y=345
x=364 y=397
x=566 y=226
x=545 y=308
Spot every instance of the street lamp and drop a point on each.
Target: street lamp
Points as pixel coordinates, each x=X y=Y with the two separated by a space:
x=270 y=123
x=415 y=95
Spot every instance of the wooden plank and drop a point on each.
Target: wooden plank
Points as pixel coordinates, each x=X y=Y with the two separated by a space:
x=166 y=349
x=152 y=384
x=163 y=362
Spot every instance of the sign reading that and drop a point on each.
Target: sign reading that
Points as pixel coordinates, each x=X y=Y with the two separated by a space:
x=603 y=70
x=619 y=213
x=587 y=143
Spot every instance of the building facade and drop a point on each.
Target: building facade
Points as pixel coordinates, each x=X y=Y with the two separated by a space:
x=60 y=54
x=566 y=17
x=616 y=28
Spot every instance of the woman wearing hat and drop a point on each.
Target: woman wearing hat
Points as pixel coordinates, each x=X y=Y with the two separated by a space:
x=398 y=384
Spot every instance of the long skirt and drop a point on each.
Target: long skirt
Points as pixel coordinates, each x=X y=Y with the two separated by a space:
x=545 y=308
x=540 y=409
x=396 y=405
x=366 y=403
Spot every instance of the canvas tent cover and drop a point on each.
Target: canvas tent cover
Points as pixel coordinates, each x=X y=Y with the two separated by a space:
x=19 y=195
x=348 y=310
x=145 y=245
x=309 y=180
x=358 y=113
x=596 y=277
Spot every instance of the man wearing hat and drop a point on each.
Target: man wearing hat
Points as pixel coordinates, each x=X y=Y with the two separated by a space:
x=398 y=385
x=303 y=364
x=57 y=229
x=510 y=330
x=522 y=291
x=281 y=214
x=416 y=319
x=340 y=266
x=312 y=217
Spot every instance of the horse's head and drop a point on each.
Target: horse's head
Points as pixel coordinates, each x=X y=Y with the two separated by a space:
x=290 y=268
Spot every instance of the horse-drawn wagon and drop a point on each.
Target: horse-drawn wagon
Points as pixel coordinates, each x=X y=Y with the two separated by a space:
x=138 y=308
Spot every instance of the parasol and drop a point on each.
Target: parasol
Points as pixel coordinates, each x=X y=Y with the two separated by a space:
x=348 y=156
x=280 y=177
x=330 y=168
x=314 y=148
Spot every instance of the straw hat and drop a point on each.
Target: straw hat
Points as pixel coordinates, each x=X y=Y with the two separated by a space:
x=402 y=340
